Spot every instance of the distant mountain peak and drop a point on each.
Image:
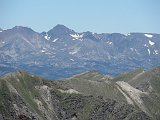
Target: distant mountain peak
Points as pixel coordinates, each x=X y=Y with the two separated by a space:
x=61 y=52
x=23 y=29
x=60 y=30
x=61 y=26
x=20 y=27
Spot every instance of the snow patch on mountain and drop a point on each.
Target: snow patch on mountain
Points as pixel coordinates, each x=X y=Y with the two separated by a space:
x=151 y=43
x=76 y=36
x=109 y=43
x=156 y=52
x=145 y=45
x=148 y=35
x=55 y=40
x=47 y=37
x=149 y=52
x=127 y=34
x=131 y=49
x=71 y=59
x=43 y=51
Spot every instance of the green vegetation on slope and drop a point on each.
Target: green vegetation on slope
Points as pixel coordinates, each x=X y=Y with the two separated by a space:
x=84 y=96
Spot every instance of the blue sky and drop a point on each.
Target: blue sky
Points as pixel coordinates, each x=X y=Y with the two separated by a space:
x=99 y=16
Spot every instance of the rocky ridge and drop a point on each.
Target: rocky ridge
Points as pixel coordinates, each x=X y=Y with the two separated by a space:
x=62 y=52
x=86 y=96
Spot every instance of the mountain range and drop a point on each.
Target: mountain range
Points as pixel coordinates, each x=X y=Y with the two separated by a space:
x=87 y=96
x=62 y=52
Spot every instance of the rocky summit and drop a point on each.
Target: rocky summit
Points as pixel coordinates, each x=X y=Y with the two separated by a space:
x=62 y=52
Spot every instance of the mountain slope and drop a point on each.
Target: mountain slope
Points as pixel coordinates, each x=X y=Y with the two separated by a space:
x=86 y=96
x=63 y=52
x=148 y=83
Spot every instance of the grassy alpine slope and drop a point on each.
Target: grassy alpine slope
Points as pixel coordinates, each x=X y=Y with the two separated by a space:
x=87 y=96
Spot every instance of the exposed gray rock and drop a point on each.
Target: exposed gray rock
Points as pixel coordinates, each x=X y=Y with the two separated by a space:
x=62 y=52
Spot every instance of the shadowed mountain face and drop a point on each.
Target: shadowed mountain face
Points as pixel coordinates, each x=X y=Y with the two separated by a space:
x=87 y=96
x=62 y=52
